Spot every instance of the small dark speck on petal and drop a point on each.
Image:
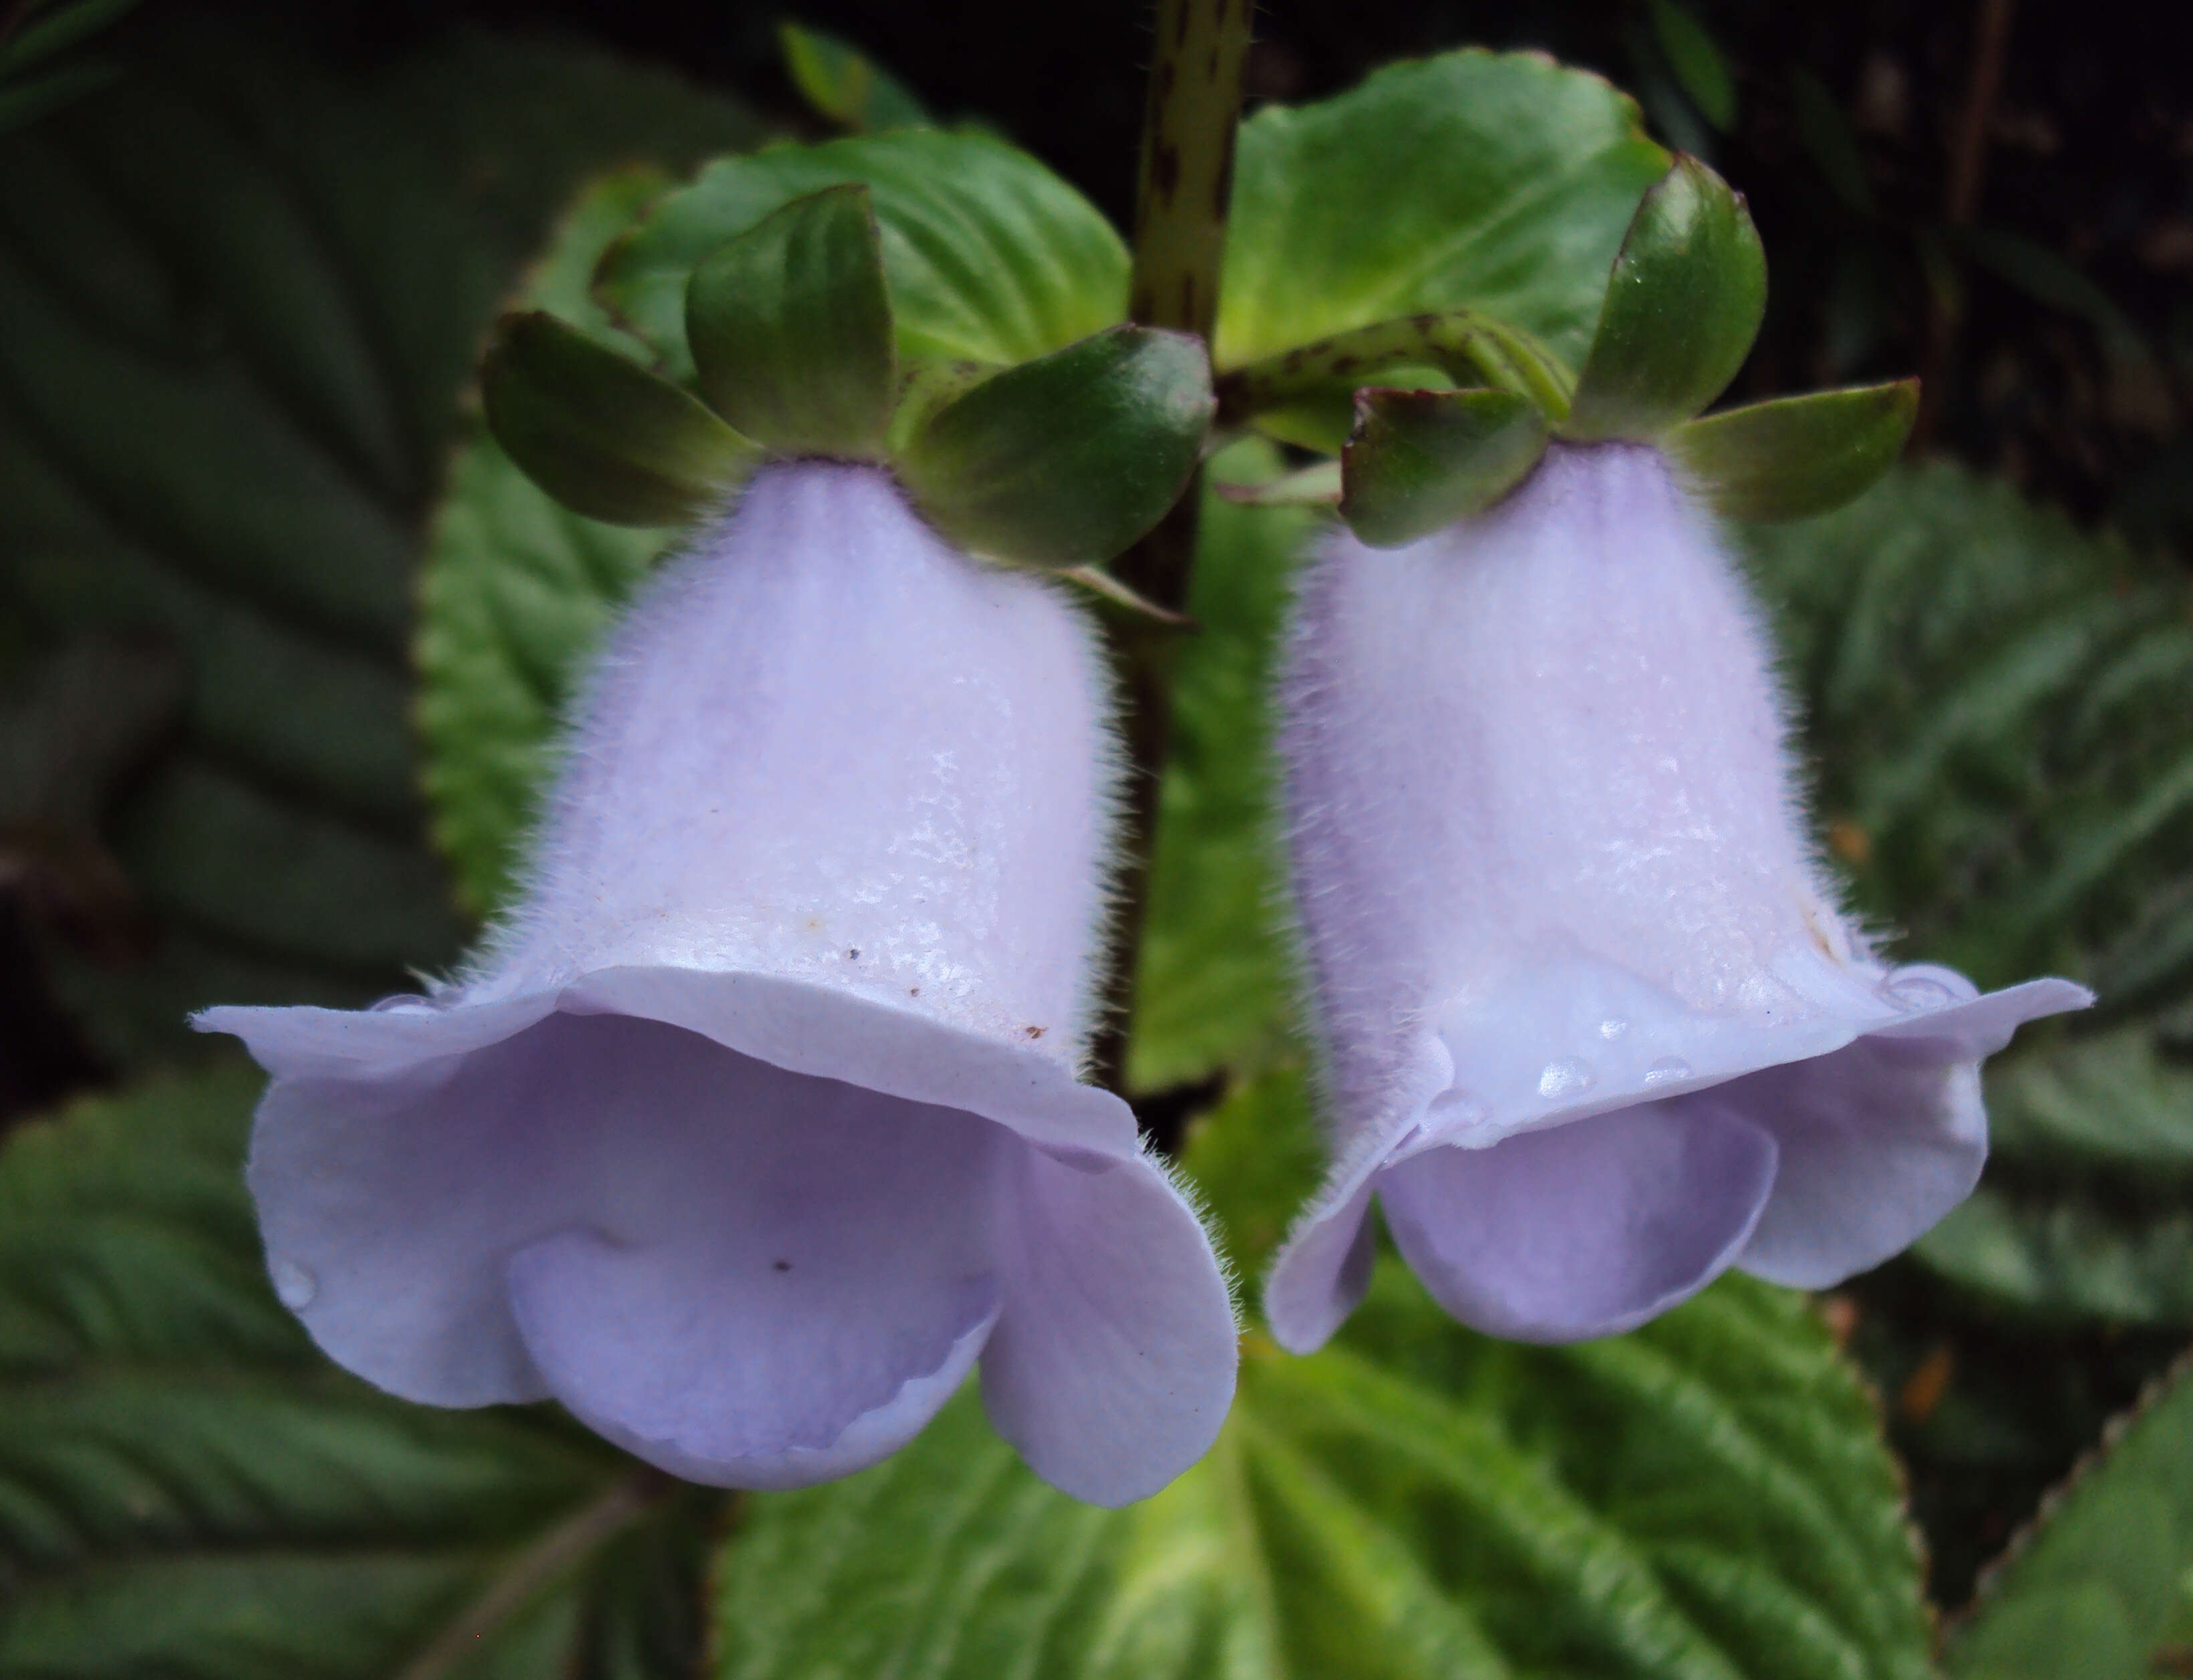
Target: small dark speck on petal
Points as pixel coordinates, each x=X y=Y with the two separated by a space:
x=779 y=1265
x=913 y=991
x=853 y=951
x=1034 y=1032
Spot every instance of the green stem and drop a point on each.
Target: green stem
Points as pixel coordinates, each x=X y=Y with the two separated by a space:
x=1179 y=237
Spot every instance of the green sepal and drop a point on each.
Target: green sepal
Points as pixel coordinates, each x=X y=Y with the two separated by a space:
x=1306 y=395
x=925 y=389
x=791 y=328
x=1066 y=459
x=1796 y=456
x=1682 y=308
x=600 y=432
x=1423 y=459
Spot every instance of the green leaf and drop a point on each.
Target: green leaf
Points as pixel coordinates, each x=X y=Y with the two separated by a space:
x=1066 y=459
x=1706 y=1498
x=1214 y=987
x=1692 y=53
x=1306 y=395
x=1497 y=182
x=989 y=257
x=2084 y=1214
x=1420 y=460
x=2000 y=713
x=1796 y=456
x=230 y=376
x=845 y=84
x=791 y=331
x=2100 y=1591
x=601 y=434
x=516 y=592
x=188 y=1489
x=1689 y=292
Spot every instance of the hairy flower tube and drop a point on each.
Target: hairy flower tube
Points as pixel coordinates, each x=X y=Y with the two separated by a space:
x=757 y=1125
x=1595 y=1027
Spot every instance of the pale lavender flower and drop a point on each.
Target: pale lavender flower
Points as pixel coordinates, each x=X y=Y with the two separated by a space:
x=757 y=1125
x=1595 y=1028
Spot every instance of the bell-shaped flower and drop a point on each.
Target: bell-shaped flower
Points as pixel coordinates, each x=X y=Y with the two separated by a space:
x=757 y=1126
x=1595 y=1028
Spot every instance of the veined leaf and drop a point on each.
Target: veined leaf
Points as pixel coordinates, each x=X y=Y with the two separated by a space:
x=989 y=257
x=242 y=297
x=1998 y=710
x=2100 y=1590
x=1500 y=182
x=1705 y=1498
x=188 y=1489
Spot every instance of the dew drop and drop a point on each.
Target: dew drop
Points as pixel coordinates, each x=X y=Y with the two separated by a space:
x=1454 y=1108
x=1667 y=1070
x=1920 y=992
x=294 y=1285
x=401 y=1003
x=1613 y=1029
x=1565 y=1078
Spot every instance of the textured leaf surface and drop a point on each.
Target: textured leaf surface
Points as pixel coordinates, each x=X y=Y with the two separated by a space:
x=989 y=257
x=2001 y=711
x=241 y=298
x=1499 y=182
x=2104 y=1589
x=1706 y=1498
x=187 y=1489
x=2087 y=1210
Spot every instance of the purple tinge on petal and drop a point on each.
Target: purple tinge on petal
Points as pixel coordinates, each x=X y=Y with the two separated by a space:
x=1111 y=1368
x=1881 y=1139
x=745 y=1276
x=1584 y=1229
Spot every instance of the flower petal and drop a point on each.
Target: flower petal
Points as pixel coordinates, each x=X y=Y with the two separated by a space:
x=641 y=1158
x=1585 y=1229
x=1881 y=1139
x=1112 y=1363
x=781 y=1279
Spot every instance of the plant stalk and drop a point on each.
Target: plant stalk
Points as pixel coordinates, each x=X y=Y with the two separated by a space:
x=1185 y=187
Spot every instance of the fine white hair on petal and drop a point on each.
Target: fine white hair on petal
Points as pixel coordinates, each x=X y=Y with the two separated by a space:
x=757 y=1125
x=1552 y=868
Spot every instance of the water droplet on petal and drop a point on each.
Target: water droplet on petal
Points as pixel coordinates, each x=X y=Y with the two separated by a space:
x=294 y=1285
x=1566 y=1078
x=1920 y=991
x=1613 y=1029
x=1454 y=1108
x=1667 y=1070
x=405 y=1002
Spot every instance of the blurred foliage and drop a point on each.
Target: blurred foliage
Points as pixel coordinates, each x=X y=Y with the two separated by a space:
x=2104 y=1589
x=189 y=1488
x=242 y=297
x=2000 y=713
